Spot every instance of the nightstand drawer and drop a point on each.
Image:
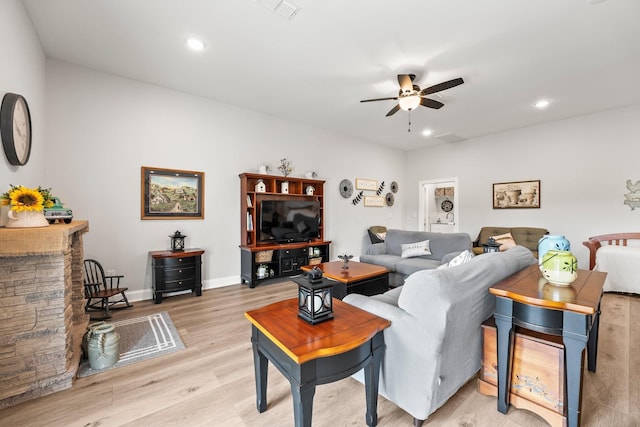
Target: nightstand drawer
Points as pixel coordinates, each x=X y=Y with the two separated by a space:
x=170 y=285
x=178 y=262
x=186 y=272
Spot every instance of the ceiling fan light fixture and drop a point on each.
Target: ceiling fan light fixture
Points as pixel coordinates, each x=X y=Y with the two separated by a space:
x=409 y=102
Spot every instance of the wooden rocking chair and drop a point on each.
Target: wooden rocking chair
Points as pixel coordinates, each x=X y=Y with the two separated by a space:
x=98 y=286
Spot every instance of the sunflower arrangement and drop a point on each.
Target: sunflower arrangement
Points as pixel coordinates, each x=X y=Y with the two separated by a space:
x=23 y=199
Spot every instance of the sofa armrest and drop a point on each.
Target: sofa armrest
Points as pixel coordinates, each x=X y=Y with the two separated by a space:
x=377 y=249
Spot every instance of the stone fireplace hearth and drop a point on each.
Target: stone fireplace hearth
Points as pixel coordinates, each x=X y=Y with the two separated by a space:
x=42 y=317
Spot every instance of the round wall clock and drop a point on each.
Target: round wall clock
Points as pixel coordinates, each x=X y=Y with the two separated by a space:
x=15 y=129
x=447 y=206
x=346 y=188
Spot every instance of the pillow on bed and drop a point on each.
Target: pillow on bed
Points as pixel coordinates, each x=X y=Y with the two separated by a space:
x=415 y=249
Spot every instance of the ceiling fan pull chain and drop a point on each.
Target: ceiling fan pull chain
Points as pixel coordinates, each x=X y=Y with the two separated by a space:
x=409 y=128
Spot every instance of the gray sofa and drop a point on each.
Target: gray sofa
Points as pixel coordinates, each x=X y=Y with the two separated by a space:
x=433 y=346
x=443 y=246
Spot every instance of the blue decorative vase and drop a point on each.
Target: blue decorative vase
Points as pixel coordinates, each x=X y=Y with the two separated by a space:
x=550 y=242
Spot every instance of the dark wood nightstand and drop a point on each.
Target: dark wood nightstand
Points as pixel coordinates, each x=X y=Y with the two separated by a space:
x=176 y=271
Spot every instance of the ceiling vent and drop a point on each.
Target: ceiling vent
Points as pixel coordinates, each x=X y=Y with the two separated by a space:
x=449 y=137
x=283 y=8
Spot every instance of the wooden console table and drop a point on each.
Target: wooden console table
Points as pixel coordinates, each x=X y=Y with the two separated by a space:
x=316 y=354
x=521 y=302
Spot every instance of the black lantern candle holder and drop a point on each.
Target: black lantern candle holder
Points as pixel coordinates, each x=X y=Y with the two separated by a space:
x=315 y=297
x=177 y=241
x=491 y=246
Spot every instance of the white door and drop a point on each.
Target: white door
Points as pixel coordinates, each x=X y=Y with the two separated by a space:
x=439 y=205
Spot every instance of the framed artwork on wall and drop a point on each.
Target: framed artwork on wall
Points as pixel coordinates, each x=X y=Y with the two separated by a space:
x=516 y=195
x=171 y=194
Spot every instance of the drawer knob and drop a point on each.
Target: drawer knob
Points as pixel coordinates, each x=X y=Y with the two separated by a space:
x=179 y=271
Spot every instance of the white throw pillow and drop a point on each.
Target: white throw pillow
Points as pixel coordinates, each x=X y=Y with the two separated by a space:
x=415 y=249
x=465 y=256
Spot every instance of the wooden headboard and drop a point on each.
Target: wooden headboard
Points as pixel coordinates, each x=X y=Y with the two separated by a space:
x=595 y=242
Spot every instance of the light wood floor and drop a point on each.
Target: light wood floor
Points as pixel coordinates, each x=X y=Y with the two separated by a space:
x=211 y=383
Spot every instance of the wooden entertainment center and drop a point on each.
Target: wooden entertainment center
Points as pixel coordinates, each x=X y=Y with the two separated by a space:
x=280 y=259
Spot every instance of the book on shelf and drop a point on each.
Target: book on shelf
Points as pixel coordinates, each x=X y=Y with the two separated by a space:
x=249 y=221
x=249 y=204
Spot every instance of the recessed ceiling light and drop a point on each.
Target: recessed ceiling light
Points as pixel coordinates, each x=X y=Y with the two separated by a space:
x=542 y=104
x=427 y=132
x=195 y=43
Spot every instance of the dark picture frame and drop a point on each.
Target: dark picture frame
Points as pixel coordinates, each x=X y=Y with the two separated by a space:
x=171 y=194
x=516 y=195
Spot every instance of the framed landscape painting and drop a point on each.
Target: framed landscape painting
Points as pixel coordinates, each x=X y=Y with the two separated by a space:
x=172 y=194
x=519 y=194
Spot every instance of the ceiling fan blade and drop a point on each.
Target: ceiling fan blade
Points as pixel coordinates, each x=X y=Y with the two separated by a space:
x=431 y=103
x=406 y=82
x=393 y=110
x=379 y=99
x=442 y=86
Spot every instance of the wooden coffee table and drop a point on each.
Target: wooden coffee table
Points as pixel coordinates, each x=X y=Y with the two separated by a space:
x=316 y=354
x=359 y=278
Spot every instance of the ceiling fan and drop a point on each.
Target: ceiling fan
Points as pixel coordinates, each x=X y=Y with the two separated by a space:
x=411 y=96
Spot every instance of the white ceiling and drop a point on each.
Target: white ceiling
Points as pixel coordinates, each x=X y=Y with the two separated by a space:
x=315 y=68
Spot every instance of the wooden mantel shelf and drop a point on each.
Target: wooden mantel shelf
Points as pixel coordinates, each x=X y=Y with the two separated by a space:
x=54 y=239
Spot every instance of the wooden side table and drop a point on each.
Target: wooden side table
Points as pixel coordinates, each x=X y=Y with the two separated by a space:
x=521 y=301
x=308 y=355
x=176 y=271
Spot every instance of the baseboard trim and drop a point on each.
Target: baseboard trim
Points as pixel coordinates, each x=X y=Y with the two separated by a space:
x=147 y=294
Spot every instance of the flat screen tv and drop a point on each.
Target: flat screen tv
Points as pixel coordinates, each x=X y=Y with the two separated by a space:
x=288 y=221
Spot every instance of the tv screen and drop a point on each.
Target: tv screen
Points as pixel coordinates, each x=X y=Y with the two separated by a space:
x=289 y=220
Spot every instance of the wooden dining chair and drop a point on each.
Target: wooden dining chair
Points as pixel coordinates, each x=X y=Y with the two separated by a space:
x=100 y=290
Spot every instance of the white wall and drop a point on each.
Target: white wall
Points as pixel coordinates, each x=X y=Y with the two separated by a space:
x=101 y=129
x=22 y=71
x=583 y=164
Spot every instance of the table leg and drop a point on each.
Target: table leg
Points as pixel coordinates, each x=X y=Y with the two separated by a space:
x=592 y=344
x=372 y=380
x=574 y=336
x=261 y=368
x=303 y=403
x=504 y=327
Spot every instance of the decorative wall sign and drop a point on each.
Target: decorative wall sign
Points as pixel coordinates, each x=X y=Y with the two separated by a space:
x=172 y=194
x=375 y=201
x=366 y=184
x=520 y=194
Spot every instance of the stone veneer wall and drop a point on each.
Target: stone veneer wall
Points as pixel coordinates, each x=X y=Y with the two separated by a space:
x=42 y=317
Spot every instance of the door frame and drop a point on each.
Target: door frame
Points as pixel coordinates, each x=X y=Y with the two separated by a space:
x=423 y=187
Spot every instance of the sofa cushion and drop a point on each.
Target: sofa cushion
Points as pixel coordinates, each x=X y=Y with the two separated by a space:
x=505 y=241
x=415 y=249
x=377 y=233
x=528 y=236
x=407 y=266
x=387 y=261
